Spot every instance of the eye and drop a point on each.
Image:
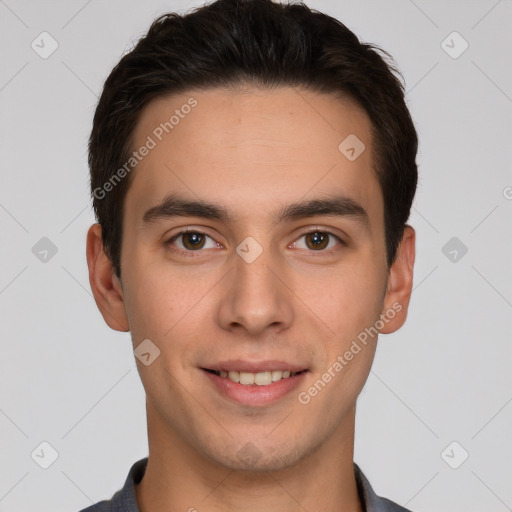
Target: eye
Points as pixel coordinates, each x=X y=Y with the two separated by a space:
x=191 y=241
x=318 y=240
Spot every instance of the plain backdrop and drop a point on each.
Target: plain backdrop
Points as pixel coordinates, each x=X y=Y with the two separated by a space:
x=434 y=420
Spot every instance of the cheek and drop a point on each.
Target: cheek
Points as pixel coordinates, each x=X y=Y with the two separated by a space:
x=166 y=307
x=151 y=305
x=350 y=309
x=347 y=299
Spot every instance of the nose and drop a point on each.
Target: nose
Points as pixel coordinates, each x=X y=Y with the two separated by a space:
x=256 y=298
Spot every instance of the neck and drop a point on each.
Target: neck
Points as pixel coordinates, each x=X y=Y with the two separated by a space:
x=178 y=478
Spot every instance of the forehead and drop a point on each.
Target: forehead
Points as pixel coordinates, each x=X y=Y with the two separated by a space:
x=250 y=148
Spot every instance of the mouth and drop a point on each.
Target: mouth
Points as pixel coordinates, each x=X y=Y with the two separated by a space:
x=259 y=379
x=254 y=384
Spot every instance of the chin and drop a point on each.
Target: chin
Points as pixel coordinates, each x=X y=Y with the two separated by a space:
x=259 y=457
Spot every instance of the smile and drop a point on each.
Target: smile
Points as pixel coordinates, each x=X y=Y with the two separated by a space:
x=254 y=383
x=259 y=379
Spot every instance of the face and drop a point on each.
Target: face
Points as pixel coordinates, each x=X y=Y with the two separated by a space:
x=268 y=279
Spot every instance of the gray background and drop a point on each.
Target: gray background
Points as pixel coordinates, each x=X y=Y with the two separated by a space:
x=67 y=379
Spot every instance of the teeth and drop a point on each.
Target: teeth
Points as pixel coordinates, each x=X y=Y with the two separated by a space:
x=260 y=378
x=263 y=378
x=246 y=378
x=234 y=376
x=277 y=375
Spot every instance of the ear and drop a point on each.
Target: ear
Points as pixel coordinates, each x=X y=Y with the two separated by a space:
x=399 y=286
x=106 y=286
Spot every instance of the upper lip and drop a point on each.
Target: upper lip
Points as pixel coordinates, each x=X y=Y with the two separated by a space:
x=254 y=366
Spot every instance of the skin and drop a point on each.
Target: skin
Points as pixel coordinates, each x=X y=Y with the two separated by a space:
x=252 y=151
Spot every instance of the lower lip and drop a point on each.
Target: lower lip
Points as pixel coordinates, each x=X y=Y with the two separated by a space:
x=253 y=394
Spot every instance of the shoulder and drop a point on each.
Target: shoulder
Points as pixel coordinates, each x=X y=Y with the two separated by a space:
x=102 y=506
x=391 y=506
x=123 y=500
x=370 y=500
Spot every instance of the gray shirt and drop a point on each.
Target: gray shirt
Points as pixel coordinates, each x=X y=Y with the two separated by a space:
x=124 y=500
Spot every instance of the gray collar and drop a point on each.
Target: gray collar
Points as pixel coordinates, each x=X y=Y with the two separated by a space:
x=125 y=500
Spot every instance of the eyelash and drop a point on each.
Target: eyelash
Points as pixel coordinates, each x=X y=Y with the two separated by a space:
x=191 y=254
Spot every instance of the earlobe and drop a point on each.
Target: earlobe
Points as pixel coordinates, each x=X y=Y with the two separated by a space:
x=399 y=286
x=105 y=285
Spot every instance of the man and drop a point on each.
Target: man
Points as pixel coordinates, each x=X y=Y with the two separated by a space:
x=252 y=171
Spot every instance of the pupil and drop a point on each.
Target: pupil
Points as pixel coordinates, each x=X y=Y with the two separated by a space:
x=193 y=239
x=318 y=239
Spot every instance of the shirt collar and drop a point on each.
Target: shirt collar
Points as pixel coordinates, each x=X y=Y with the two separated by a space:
x=125 y=499
x=369 y=500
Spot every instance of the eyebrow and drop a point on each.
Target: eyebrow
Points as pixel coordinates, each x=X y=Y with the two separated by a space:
x=335 y=206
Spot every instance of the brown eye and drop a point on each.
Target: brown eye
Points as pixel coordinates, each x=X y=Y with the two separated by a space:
x=318 y=241
x=193 y=240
